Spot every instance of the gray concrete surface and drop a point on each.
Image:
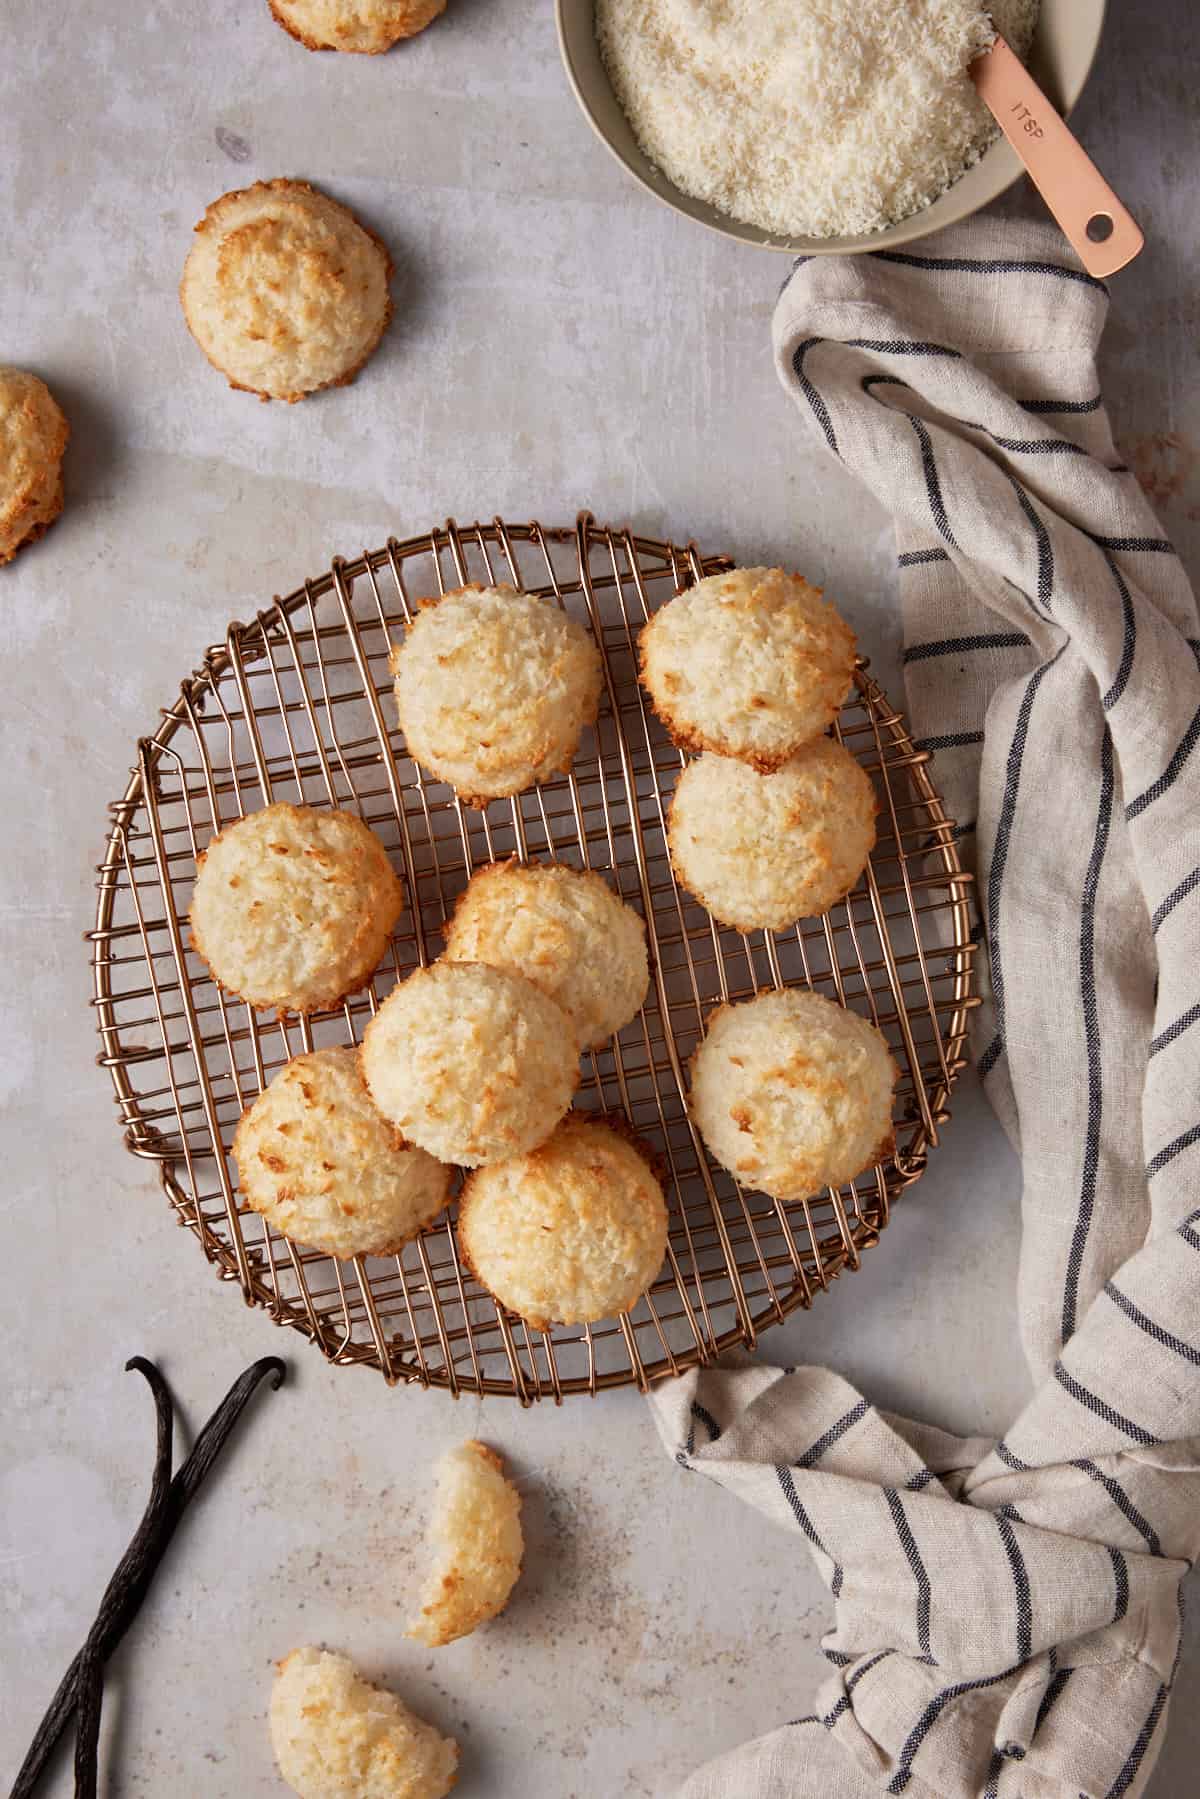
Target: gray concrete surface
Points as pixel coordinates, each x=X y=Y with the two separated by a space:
x=560 y=340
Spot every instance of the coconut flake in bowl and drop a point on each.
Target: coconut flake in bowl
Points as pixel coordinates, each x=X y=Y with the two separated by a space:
x=818 y=118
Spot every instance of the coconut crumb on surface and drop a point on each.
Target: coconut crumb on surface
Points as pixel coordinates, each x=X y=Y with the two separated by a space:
x=821 y=118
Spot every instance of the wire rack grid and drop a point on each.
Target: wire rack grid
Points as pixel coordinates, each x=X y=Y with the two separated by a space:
x=297 y=705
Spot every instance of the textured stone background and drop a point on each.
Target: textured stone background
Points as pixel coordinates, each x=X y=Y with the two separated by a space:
x=561 y=340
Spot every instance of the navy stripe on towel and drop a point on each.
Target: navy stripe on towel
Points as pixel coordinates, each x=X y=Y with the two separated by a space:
x=1188 y=885
x=1045 y=550
x=1070 y=1385
x=1091 y=1031
x=933 y=486
x=806 y=1524
x=1120 y=1582
x=1170 y=773
x=1181 y=1608
x=1065 y=406
x=1032 y=446
x=707 y=1420
x=991 y=1790
x=1016 y=1562
x=1009 y=1459
x=1123 y=1503
x=1128 y=1773
x=1185 y=1351
x=957 y=740
x=869 y=383
x=1149 y=546
x=1129 y=642
x=913 y=1556
x=1183 y=1023
x=903 y=346
x=817 y=1449
x=872 y=1661
x=929 y=1718
x=911 y=558
x=955 y=646
x=1051 y=1696
x=1172 y=1150
x=1008 y=809
x=820 y=410
x=994 y=265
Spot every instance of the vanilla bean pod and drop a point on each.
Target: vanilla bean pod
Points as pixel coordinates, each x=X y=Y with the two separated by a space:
x=133 y=1575
x=120 y=1586
x=89 y=1688
x=90 y=1679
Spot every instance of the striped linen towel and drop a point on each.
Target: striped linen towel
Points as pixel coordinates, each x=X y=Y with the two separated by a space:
x=1007 y=1615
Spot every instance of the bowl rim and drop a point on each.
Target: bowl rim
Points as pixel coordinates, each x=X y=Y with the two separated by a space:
x=998 y=154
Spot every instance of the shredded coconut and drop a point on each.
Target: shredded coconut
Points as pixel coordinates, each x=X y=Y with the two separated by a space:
x=822 y=118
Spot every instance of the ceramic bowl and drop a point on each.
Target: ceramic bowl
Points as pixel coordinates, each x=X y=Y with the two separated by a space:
x=1064 y=47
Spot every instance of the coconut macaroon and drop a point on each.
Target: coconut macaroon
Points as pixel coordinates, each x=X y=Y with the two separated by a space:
x=471 y=1063
x=475 y=1532
x=322 y=1165
x=573 y=1231
x=792 y=1093
x=760 y=851
x=284 y=290
x=493 y=688
x=33 y=437
x=565 y=931
x=752 y=664
x=365 y=26
x=336 y=1736
x=293 y=907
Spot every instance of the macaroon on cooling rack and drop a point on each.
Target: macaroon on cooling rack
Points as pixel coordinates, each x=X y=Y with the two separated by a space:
x=297 y=705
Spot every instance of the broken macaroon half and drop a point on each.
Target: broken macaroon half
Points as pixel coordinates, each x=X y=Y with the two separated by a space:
x=336 y=1736
x=475 y=1532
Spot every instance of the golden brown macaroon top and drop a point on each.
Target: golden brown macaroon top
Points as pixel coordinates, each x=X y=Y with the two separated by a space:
x=320 y=1162
x=565 y=930
x=285 y=291
x=793 y=1093
x=363 y=27
x=761 y=850
x=753 y=663
x=293 y=906
x=494 y=686
x=570 y=1233
x=473 y=1063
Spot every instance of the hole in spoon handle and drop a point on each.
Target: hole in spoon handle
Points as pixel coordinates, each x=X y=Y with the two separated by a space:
x=1102 y=232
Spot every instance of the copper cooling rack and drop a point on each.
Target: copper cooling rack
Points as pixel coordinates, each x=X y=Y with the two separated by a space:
x=297 y=706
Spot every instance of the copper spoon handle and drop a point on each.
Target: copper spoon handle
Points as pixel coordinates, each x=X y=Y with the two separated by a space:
x=1102 y=232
